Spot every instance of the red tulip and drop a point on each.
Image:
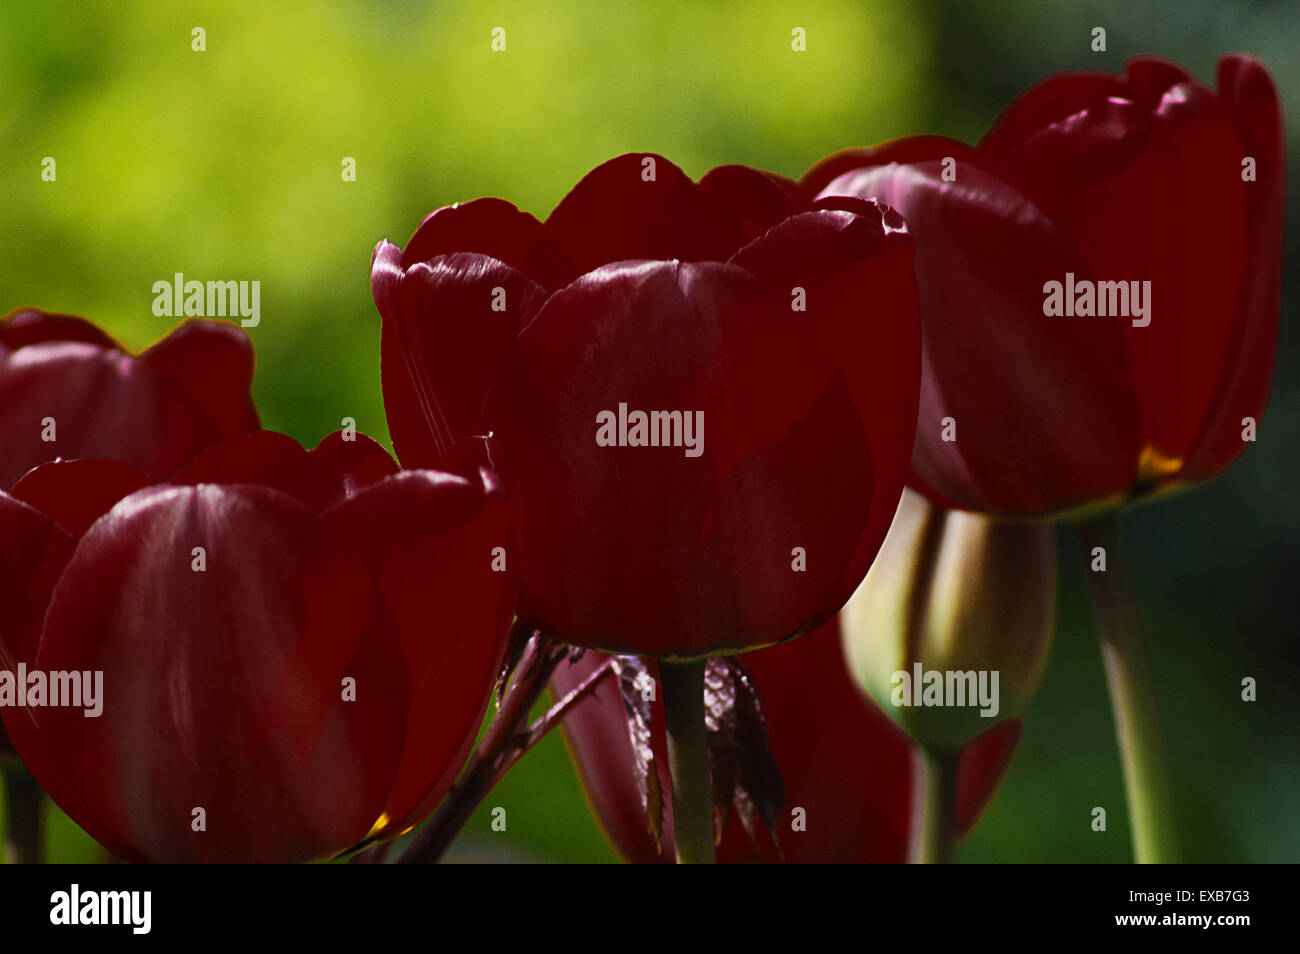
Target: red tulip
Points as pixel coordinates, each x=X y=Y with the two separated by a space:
x=782 y=336
x=844 y=763
x=1090 y=178
x=68 y=390
x=314 y=674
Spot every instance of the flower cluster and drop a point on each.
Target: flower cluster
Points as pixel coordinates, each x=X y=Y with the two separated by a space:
x=670 y=423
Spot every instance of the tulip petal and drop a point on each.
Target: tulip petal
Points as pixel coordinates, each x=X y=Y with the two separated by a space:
x=350 y=463
x=76 y=493
x=496 y=229
x=28 y=326
x=412 y=438
x=1196 y=268
x=637 y=206
x=221 y=687
x=1251 y=98
x=596 y=733
x=981 y=764
x=263 y=459
x=453 y=334
x=1045 y=103
x=33 y=553
x=984 y=256
x=1124 y=179
x=1150 y=77
x=336 y=470
x=386 y=278
x=816 y=718
x=212 y=362
x=604 y=561
x=75 y=399
x=427 y=539
x=744 y=203
x=370 y=520
x=855 y=267
x=908 y=149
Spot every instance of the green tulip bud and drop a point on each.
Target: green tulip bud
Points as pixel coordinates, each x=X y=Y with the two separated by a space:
x=949 y=631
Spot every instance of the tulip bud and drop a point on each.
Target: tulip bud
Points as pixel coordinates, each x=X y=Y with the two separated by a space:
x=950 y=629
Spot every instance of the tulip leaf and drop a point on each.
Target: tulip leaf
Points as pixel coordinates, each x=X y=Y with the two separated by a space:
x=633 y=677
x=742 y=765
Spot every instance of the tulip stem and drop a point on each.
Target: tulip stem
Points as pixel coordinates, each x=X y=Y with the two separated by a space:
x=494 y=755
x=688 y=761
x=22 y=817
x=936 y=842
x=1146 y=778
x=509 y=737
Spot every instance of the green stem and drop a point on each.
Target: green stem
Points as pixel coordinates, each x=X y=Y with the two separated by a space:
x=23 y=817
x=936 y=843
x=688 y=761
x=506 y=740
x=1146 y=779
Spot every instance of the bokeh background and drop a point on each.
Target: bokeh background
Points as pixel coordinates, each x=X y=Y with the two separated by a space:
x=226 y=164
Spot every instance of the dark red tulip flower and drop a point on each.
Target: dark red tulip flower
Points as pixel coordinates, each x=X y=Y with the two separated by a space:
x=296 y=647
x=68 y=390
x=848 y=768
x=1099 y=284
x=704 y=393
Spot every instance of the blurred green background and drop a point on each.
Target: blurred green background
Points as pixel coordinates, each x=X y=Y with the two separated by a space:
x=226 y=164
